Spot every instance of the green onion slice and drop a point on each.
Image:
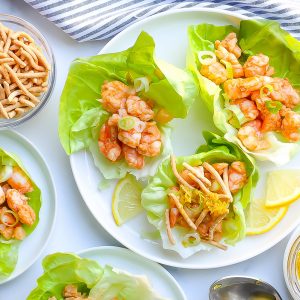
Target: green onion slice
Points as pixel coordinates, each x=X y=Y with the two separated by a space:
x=229 y=68
x=191 y=239
x=269 y=89
x=141 y=83
x=5 y=173
x=126 y=123
x=3 y=218
x=273 y=106
x=207 y=57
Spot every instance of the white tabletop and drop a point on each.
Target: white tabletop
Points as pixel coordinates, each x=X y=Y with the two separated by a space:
x=75 y=227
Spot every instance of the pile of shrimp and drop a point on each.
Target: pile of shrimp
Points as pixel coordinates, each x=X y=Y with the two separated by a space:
x=200 y=200
x=70 y=292
x=256 y=93
x=144 y=139
x=14 y=208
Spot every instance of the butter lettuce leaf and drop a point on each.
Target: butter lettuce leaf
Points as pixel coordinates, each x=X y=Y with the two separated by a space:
x=255 y=36
x=91 y=279
x=81 y=114
x=155 y=199
x=9 y=248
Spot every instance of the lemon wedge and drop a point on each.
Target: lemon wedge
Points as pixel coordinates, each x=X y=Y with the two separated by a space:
x=283 y=187
x=260 y=219
x=126 y=202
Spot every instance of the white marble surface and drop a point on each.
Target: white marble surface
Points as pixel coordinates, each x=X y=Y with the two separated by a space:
x=75 y=228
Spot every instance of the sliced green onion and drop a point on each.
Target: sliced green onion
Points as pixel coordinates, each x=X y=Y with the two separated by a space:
x=191 y=239
x=206 y=57
x=229 y=68
x=3 y=219
x=141 y=83
x=5 y=173
x=273 y=106
x=262 y=91
x=126 y=123
x=129 y=78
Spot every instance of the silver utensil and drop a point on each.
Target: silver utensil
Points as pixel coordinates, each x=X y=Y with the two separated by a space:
x=242 y=288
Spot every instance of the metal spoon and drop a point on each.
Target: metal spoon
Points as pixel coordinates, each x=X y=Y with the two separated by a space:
x=242 y=288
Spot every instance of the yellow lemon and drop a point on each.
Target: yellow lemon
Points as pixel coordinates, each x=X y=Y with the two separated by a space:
x=126 y=202
x=260 y=219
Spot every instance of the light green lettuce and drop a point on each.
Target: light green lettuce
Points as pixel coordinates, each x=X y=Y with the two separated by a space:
x=9 y=248
x=122 y=285
x=61 y=269
x=155 y=200
x=81 y=115
x=255 y=36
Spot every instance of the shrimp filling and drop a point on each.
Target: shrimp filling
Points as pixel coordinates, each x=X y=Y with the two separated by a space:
x=15 y=210
x=201 y=198
x=70 y=292
x=130 y=132
x=266 y=102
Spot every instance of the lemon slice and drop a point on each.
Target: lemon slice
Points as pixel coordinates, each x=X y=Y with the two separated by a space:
x=260 y=219
x=126 y=202
x=283 y=187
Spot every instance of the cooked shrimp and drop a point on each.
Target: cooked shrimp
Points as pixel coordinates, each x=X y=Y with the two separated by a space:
x=133 y=158
x=114 y=94
x=6 y=218
x=185 y=175
x=251 y=136
x=2 y=195
x=173 y=215
x=258 y=65
x=150 y=143
x=248 y=108
x=133 y=136
x=220 y=167
x=216 y=72
x=237 y=176
x=108 y=142
x=291 y=125
x=139 y=108
x=113 y=120
x=284 y=92
x=19 y=233
x=223 y=54
x=20 y=181
x=230 y=44
x=5 y=187
x=242 y=87
x=18 y=203
x=203 y=228
x=70 y=292
x=7 y=232
x=270 y=121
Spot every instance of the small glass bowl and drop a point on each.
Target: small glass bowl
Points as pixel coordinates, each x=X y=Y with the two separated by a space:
x=18 y=24
x=289 y=265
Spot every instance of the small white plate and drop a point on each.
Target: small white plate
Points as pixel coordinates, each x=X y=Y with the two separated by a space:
x=161 y=280
x=33 y=245
x=169 y=31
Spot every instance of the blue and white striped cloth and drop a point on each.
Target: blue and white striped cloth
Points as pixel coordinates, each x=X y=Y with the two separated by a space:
x=86 y=20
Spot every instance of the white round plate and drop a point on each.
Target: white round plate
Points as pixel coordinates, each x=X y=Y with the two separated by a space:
x=169 y=32
x=33 y=245
x=290 y=244
x=161 y=280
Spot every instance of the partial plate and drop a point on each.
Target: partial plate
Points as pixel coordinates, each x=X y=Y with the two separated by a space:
x=31 y=248
x=169 y=31
x=123 y=259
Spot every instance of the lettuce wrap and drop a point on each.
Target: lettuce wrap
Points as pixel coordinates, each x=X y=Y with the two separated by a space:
x=155 y=199
x=81 y=115
x=254 y=37
x=9 y=248
x=91 y=279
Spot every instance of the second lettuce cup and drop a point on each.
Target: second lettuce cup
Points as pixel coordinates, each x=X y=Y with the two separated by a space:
x=197 y=202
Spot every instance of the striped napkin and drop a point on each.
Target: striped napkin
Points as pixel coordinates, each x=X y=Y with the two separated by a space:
x=86 y=20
